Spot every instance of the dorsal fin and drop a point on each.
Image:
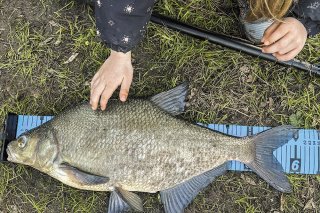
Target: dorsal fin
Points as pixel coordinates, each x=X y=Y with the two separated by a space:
x=172 y=101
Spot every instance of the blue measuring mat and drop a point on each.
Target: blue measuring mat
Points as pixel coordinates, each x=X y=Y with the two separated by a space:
x=301 y=155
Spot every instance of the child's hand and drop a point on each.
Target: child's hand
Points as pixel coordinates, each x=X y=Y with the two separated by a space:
x=284 y=39
x=116 y=70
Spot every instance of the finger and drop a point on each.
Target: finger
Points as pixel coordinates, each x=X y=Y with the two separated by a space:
x=95 y=96
x=279 y=45
x=95 y=84
x=106 y=94
x=269 y=31
x=277 y=34
x=94 y=88
x=125 y=87
x=288 y=56
x=291 y=46
x=95 y=77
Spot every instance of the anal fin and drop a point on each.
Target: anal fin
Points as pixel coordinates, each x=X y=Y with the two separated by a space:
x=176 y=199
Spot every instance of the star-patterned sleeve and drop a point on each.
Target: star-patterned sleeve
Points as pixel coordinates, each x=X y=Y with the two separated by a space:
x=122 y=23
x=308 y=13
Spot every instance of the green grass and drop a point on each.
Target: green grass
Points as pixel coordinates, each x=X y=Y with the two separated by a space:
x=225 y=87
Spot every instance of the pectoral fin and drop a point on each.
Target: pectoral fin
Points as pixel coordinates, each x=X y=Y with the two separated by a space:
x=74 y=175
x=122 y=200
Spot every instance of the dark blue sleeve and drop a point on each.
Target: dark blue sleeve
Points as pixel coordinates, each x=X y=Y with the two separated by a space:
x=308 y=13
x=122 y=23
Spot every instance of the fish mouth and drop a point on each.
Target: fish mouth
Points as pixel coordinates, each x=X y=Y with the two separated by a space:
x=10 y=155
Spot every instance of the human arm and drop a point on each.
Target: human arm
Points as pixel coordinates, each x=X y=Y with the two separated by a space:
x=121 y=24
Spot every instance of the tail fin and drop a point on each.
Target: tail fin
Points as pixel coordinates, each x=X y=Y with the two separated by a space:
x=265 y=164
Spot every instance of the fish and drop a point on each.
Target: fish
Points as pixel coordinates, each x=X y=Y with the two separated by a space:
x=142 y=145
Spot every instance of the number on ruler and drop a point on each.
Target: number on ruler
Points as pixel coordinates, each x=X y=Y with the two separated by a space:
x=295 y=164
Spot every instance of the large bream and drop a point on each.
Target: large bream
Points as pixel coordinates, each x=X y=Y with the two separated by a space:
x=140 y=146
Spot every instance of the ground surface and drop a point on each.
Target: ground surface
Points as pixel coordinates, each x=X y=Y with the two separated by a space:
x=38 y=37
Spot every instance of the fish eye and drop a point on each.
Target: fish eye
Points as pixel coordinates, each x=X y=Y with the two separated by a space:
x=22 y=141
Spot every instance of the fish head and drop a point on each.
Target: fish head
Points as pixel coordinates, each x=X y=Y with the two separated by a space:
x=22 y=149
x=32 y=148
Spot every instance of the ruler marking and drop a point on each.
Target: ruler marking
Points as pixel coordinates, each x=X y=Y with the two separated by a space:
x=281 y=157
x=18 y=126
x=31 y=122
x=318 y=159
x=26 y=123
x=300 y=150
x=41 y=119
x=314 y=162
x=297 y=159
x=305 y=152
x=312 y=157
x=23 y=124
x=286 y=159
x=37 y=121
x=309 y=164
x=34 y=120
x=278 y=155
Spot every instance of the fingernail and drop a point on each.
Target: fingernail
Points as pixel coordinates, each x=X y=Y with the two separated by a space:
x=262 y=50
x=123 y=98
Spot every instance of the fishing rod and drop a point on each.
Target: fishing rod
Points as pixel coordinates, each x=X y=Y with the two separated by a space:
x=231 y=42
